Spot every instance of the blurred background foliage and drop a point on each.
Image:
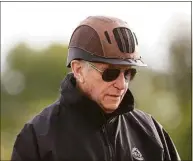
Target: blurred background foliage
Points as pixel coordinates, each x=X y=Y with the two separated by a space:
x=32 y=81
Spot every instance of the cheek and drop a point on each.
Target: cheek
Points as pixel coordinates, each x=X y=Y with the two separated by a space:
x=97 y=92
x=94 y=89
x=103 y=90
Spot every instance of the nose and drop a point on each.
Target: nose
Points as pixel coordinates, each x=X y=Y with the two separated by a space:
x=120 y=82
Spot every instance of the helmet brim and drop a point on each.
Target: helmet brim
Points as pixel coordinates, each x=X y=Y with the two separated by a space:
x=79 y=54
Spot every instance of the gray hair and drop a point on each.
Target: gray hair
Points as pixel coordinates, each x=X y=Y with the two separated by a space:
x=85 y=64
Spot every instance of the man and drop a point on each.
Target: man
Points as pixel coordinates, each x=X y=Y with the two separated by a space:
x=95 y=119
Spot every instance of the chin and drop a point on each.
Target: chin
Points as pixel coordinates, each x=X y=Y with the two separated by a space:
x=110 y=107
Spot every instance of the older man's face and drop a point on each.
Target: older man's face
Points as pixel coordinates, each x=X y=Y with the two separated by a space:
x=107 y=94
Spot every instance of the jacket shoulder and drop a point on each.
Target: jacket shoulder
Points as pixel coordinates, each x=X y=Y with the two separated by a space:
x=143 y=118
x=35 y=134
x=147 y=123
x=42 y=121
x=156 y=130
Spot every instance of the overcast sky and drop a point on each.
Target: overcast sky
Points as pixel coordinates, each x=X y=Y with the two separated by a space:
x=41 y=23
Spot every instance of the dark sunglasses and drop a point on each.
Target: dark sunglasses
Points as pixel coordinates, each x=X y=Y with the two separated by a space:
x=111 y=74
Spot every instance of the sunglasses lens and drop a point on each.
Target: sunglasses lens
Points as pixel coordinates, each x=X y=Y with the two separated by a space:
x=130 y=73
x=110 y=74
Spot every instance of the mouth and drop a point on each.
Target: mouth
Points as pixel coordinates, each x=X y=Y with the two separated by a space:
x=115 y=96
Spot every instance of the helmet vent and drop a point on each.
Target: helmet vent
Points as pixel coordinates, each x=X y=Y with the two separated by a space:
x=124 y=39
x=135 y=38
x=107 y=37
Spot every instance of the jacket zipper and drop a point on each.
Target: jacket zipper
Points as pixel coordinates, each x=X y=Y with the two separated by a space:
x=110 y=149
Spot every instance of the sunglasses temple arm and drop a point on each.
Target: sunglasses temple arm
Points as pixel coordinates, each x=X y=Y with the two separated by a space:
x=95 y=68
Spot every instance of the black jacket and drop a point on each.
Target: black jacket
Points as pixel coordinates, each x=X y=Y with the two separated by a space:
x=74 y=128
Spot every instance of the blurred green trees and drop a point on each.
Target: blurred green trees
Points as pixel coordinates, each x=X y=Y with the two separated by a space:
x=32 y=81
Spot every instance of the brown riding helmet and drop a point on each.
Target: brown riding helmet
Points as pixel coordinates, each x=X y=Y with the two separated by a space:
x=104 y=39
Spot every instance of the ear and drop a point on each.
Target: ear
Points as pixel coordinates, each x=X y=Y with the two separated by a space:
x=77 y=69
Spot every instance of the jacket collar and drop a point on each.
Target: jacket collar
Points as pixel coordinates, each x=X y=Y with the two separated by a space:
x=73 y=98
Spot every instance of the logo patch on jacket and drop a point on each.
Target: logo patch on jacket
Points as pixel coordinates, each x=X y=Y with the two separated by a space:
x=136 y=154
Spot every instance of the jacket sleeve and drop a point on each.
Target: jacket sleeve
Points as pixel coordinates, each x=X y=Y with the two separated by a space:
x=25 y=147
x=170 y=151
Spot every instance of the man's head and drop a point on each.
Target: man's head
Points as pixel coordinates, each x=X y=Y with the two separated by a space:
x=102 y=53
x=106 y=84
